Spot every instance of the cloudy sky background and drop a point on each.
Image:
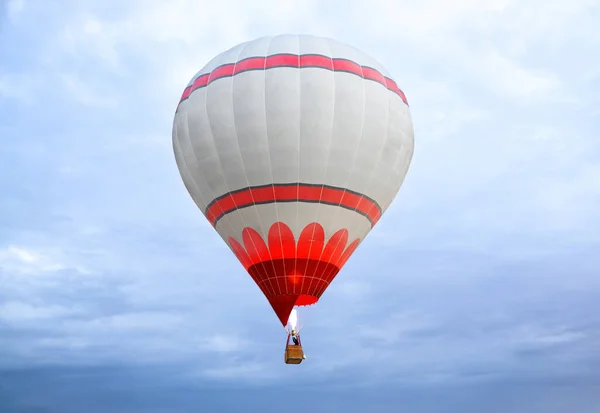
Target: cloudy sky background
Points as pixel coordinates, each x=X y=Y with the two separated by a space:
x=117 y=296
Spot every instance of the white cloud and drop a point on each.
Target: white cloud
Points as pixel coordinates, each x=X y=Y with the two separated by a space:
x=14 y=9
x=240 y=371
x=15 y=312
x=89 y=37
x=483 y=44
x=19 y=260
x=85 y=94
x=29 y=261
x=506 y=77
x=534 y=337
x=222 y=343
x=19 y=87
x=129 y=323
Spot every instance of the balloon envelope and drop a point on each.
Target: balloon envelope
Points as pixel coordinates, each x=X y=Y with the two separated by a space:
x=293 y=147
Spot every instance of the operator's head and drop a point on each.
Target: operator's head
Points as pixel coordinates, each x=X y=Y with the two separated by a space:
x=293 y=332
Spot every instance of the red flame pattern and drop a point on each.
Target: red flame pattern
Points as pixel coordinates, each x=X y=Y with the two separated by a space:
x=291 y=272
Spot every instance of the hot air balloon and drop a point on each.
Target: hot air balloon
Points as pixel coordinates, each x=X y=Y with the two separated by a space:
x=293 y=147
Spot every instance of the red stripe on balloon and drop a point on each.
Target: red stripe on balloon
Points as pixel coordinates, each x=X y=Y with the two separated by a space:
x=322 y=194
x=295 y=61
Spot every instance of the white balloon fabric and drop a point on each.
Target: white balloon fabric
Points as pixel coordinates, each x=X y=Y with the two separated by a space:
x=293 y=147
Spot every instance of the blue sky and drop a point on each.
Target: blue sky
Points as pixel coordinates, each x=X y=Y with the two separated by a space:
x=477 y=292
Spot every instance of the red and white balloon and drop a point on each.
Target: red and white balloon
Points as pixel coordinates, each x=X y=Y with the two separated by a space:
x=293 y=147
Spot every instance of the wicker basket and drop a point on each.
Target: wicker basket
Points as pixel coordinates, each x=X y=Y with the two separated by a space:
x=293 y=354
